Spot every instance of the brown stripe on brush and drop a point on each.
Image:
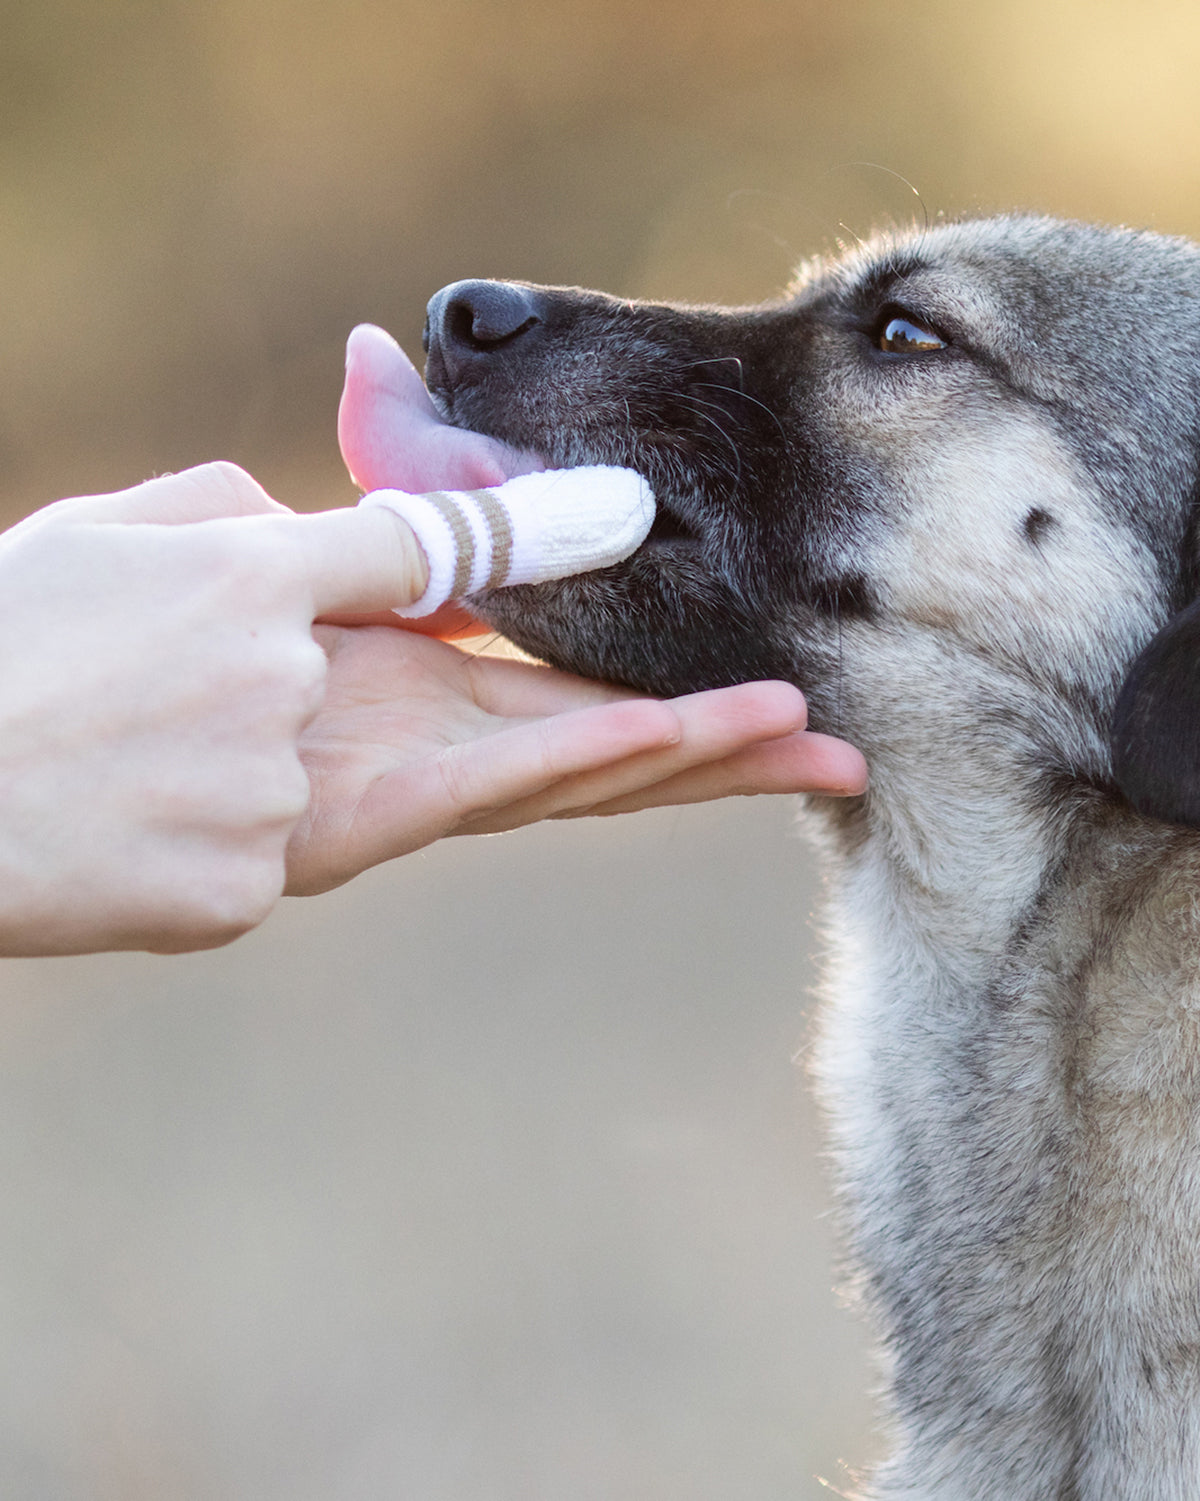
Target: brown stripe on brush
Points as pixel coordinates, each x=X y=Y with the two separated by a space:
x=500 y=527
x=464 y=540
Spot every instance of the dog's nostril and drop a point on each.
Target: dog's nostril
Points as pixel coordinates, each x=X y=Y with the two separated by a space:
x=475 y=317
x=487 y=320
x=461 y=328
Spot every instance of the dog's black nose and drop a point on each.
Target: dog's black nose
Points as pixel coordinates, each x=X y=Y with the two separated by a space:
x=469 y=320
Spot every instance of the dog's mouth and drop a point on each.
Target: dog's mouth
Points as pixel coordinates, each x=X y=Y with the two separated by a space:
x=669 y=529
x=676 y=529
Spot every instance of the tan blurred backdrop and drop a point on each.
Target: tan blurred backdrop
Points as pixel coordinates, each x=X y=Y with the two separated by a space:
x=491 y=1176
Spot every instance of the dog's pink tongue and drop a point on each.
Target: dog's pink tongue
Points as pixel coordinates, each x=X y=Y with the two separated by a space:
x=392 y=437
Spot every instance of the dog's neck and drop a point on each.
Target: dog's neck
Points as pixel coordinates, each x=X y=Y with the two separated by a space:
x=937 y=867
x=1009 y=1064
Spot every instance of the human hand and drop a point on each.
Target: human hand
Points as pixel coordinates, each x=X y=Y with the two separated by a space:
x=417 y=739
x=158 y=664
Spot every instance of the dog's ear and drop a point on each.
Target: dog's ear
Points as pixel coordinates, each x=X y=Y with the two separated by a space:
x=1156 y=724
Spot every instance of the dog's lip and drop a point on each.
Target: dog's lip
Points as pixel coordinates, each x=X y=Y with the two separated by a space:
x=669 y=530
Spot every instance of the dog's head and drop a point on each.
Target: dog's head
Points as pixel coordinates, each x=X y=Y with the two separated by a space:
x=946 y=485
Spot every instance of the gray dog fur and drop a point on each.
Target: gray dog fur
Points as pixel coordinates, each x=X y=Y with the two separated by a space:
x=958 y=546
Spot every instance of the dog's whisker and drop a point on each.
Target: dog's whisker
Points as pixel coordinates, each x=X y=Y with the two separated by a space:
x=853 y=233
x=753 y=400
x=724 y=359
x=480 y=644
x=696 y=403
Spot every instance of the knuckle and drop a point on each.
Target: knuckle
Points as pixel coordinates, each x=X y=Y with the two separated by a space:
x=275 y=794
x=239 y=896
x=311 y=668
x=282 y=671
x=241 y=488
x=207 y=921
x=293 y=792
x=292 y=683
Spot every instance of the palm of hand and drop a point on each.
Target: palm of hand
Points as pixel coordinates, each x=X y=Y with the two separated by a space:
x=417 y=739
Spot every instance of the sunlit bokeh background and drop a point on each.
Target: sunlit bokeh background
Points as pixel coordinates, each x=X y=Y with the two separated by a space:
x=491 y=1176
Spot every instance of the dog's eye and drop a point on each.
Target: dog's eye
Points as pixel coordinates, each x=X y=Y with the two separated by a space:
x=903 y=336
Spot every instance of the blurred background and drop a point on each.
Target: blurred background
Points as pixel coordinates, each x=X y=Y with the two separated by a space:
x=492 y=1175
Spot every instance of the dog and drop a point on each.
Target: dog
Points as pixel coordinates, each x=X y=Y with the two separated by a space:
x=947 y=485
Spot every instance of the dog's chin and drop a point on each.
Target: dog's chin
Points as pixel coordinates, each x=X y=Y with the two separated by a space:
x=607 y=623
x=665 y=621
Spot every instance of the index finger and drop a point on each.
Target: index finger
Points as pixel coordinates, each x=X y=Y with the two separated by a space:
x=356 y=559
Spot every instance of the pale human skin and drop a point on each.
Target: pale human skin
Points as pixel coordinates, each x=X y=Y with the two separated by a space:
x=180 y=744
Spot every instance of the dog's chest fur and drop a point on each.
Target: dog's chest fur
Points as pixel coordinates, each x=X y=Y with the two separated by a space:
x=1018 y=1125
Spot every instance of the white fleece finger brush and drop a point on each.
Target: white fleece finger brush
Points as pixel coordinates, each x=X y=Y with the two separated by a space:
x=528 y=530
